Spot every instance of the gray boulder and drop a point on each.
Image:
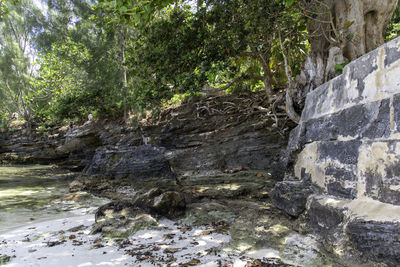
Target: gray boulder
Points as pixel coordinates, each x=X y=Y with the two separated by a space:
x=291 y=196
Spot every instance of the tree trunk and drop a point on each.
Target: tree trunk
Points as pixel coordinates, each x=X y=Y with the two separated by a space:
x=123 y=77
x=340 y=31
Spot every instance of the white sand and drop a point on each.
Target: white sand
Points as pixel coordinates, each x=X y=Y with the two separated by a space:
x=29 y=246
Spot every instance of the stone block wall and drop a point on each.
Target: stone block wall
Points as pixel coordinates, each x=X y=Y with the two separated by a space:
x=350 y=130
x=348 y=144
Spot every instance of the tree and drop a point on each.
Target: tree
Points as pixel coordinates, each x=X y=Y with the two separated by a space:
x=339 y=32
x=79 y=68
x=61 y=82
x=19 y=29
x=124 y=13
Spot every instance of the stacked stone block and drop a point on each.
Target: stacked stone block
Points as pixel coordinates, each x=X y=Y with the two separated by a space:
x=350 y=139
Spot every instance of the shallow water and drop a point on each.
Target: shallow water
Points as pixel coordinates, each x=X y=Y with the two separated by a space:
x=36 y=193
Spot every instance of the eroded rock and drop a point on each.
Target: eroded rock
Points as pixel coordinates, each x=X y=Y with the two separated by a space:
x=291 y=196
x=378 y=241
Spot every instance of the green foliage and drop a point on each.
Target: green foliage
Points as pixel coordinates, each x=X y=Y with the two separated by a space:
x=4 y=121
x=79 y=69
x=19 y=29
x=289 y=3
x=168 y=50
x=393 y=29
x=128 y=12
x=60 y=81
x=339 y=67
x=181 y=50
x=4 y=8
x=4 y=259
x=179 y=98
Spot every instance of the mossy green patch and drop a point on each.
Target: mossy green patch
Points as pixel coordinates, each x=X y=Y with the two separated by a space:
x=4 y=259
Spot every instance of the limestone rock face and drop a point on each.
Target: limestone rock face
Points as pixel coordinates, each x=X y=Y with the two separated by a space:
x=190 y=150
x=169 y=203
x=377 y=240
x=69 y=148
x=157 y=202
x=133 y=163
x=368 y=231
x=15 y=147
x=291 y=196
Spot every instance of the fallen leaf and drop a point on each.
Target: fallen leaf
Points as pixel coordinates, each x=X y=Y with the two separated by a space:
x=76 y=228
x=72 y=237
x=97 y=245
x=168 y=236
x=206 y=232
x=171 y=259
x=348 y=24
x=192 y=262
x=171 y=250
x=54 y=243
x=257 y=263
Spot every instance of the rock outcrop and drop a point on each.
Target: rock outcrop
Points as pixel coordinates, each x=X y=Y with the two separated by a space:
x=191 y=148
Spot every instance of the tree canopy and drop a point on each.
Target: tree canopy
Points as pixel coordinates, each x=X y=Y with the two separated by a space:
x=65 y=59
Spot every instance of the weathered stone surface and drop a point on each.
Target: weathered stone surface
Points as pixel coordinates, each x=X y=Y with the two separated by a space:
x=80 y=142
x=392 y=53
x=133 y=163
x=170 y=204
x=396 y=112
x=362 y=81
x=167 y=203
x=344 y=152
x=378 y=241
x=252 y=146
x=121 y=219
x=295 y=144
x=155 y=201
x=351 y=152
x=370 y=120
x=291 y=196
x=325 y=220
x=378 y=167
x=331 y=166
